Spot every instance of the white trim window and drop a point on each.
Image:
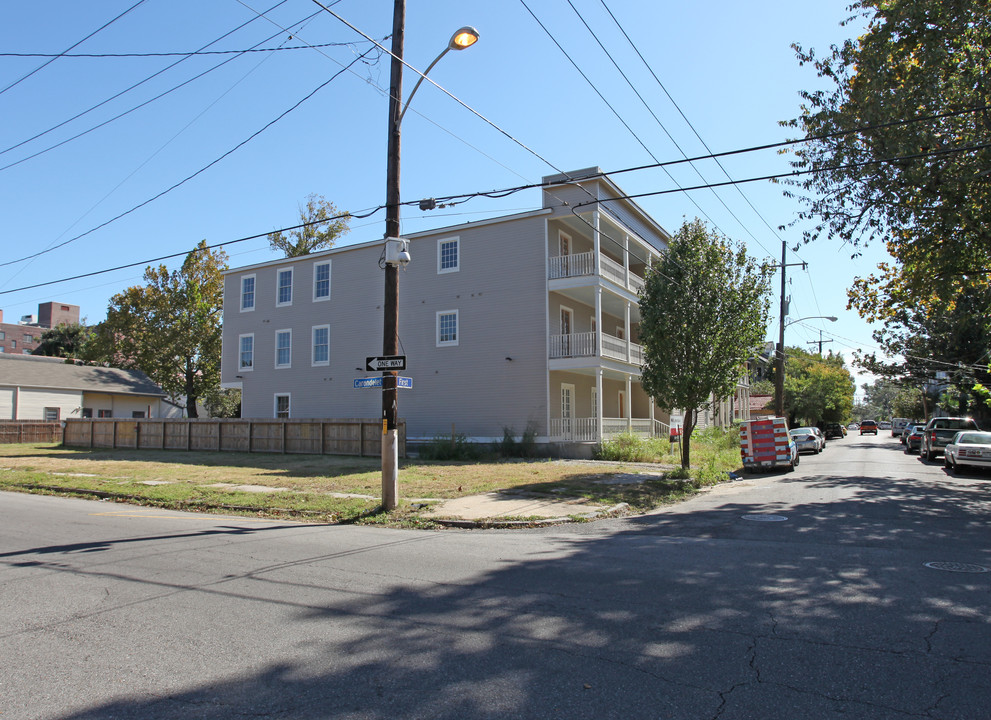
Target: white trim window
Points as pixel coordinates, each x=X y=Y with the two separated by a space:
x=281 y=406
x=448 y=255
x=283 y=291
x=321 y=281
x=247 y=293
x=283 y=348
x=246 y=352
x=321 y=345
x=447 y=328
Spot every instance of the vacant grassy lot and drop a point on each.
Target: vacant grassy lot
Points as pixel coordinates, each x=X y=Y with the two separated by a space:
x=321 y=488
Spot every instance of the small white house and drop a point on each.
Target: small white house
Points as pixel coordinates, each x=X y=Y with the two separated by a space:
x=53 y=389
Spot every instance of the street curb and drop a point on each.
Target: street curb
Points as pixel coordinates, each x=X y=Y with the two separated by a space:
x=496 y=524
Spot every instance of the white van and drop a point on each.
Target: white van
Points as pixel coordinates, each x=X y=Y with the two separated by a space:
x=898 y=426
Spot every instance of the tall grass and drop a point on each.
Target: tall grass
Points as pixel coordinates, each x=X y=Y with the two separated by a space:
x=715 y=452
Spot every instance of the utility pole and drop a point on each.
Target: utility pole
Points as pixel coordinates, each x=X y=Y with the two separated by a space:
x=779 y=365
x=818 y=342
x=390 y=340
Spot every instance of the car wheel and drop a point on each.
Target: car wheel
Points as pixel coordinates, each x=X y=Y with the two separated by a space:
x=922 y=453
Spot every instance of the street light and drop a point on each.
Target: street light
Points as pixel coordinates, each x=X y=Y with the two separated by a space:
x=397 y=249
x=779 y=365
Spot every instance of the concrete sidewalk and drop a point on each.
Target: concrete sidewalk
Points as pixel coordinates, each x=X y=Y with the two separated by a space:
x=514 y=508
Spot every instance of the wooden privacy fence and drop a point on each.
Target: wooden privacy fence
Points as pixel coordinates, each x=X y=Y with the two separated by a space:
x=312 y=437
x=28 y=431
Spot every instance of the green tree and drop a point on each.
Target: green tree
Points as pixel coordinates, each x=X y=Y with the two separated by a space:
x=322 y=223
x=817 y=388
x=171 y=327
x=67 y=341
x=703 y=312
x=921 y=184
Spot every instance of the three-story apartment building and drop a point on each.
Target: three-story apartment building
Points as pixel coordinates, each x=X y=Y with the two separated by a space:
x=527 y=320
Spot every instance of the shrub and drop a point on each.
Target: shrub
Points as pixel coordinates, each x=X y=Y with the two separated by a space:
x=450 y=447
x=525 y=447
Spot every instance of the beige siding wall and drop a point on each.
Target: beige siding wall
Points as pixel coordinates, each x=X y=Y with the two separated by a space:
x=31 y=403
x=7 y=396
x=121 y=406
x=499 y=293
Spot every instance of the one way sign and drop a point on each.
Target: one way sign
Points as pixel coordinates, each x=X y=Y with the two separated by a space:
x=389 y=362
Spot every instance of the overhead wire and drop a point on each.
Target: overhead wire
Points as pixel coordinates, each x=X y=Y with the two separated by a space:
x=71 y=47
x=201 y=170
x=610 y=106
x=378 y=208
x=187 y=53
x=127 y=90
x=51 y=245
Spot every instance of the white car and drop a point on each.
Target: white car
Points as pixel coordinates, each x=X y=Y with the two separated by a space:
x=970 y=448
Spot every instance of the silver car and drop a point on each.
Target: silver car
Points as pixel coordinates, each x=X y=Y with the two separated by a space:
x=806 y=440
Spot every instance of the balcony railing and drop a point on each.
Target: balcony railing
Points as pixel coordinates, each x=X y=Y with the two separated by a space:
x=583 y=265
x=586 y=429
x=583 y=345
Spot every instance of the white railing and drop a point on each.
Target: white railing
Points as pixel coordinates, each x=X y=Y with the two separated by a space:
x=612 y=270
x=615 y=348
x=583 y=264
x=586 y=429
x=577 y=265
x=574 y=429
x=573 y=345
x=637 y=283
x=661 y=430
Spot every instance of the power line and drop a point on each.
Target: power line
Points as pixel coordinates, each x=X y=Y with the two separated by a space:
x=610 y=106
x=71 y=47
x=451 y=95
x=198 y=172
x=127 y=90
x=510 y=191
x=192 y=53
x=467 y=196
x=661 y=124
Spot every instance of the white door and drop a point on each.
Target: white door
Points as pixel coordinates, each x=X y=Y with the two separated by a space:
x=567 y=323
x=567 y=408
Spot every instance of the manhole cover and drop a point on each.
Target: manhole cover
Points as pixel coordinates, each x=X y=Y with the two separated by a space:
x=957 y=567
x=764 y=518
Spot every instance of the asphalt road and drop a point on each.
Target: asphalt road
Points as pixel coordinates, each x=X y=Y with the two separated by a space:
x=794 y=595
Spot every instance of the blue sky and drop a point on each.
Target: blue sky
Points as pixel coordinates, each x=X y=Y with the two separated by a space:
x=727 y=65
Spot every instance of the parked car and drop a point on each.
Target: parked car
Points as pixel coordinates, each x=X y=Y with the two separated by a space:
x=806 y=440
x=834 y=430
x=913 y=438
x=884 y=425
x=940 y=431
x=868 y=426
x=968 y=448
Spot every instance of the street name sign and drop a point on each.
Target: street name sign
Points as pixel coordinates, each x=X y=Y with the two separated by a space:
x=388 y=362
x=376 y=382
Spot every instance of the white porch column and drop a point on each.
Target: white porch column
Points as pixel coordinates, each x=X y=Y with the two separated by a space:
x=626 y=261
x=598 y=403
x=626 y=328
x=596 y=242
x=598 y=321
x=629 y=401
